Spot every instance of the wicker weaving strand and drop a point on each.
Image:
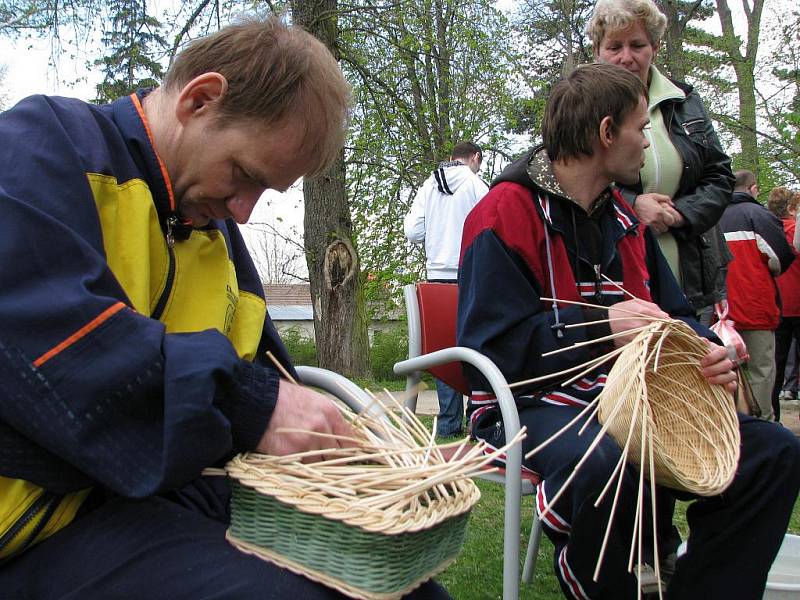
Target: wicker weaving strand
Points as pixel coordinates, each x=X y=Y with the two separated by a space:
x=373 y=521
x=668 y=420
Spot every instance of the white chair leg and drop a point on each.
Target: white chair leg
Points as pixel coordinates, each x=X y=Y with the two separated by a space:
x=529 y=568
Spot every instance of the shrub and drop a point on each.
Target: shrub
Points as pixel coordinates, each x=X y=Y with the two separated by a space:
x=302 y=349
x=387 y=348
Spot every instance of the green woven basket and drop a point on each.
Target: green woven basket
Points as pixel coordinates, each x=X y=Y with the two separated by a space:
x=359 y=563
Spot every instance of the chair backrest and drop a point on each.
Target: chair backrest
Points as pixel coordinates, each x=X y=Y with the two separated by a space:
x=438 y=306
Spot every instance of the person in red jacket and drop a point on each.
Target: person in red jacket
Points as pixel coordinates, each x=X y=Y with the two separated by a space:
x=760 y=253
x=783 y=204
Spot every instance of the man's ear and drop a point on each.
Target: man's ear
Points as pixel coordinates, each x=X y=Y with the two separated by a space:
x=606 y=131
x=200 y=95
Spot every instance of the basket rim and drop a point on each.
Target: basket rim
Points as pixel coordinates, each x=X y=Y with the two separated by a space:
x=433 y=511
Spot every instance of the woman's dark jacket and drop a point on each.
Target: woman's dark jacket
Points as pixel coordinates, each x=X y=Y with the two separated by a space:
x=703 y=193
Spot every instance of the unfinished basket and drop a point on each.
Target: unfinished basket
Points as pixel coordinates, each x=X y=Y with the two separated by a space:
x=655 y=390
x=374 y=521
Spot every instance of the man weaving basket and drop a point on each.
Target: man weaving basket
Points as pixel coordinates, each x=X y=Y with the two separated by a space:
x=133 y=327
x=553 y=225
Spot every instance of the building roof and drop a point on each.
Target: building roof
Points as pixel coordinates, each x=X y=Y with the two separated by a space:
x=288 y=294
x=290 y=313
x=289 y=301
x=292 y=302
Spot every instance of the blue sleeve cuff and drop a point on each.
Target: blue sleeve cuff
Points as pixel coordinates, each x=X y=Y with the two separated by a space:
x=250 y=404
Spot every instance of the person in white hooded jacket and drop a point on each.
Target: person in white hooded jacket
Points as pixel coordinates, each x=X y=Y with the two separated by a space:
x=437 y=219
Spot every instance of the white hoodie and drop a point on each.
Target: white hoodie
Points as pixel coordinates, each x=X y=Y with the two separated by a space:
x=438 y=213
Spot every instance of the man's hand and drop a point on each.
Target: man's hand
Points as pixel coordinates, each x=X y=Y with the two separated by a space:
x=302 y=408
x=632 y=314
x=656 y=211
x=717 y=368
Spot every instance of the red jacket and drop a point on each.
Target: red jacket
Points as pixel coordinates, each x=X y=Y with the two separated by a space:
x=789 y=282
x=760 y=253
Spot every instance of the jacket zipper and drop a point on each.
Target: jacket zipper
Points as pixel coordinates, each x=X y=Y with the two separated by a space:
x=162 y=301
x=43 y=507
x=656 y=157
x=688 y=123
x=598 y=284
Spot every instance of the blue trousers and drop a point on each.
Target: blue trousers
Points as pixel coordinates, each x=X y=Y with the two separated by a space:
x=734 y=537
x=451 y=410
x=162 y=548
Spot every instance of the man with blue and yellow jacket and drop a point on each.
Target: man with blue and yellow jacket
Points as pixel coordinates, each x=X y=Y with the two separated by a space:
x=133 y=327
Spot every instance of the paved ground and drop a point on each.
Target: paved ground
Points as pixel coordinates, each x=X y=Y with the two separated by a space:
x=427 y=404
x=790 y=415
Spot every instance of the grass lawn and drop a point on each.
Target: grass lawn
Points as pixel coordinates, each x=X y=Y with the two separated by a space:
x=478 y=572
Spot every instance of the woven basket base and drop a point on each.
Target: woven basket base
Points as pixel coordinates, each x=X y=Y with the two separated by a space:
x=326 y=580
x=359 y=563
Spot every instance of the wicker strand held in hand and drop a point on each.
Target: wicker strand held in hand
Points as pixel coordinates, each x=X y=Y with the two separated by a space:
x=692 y=424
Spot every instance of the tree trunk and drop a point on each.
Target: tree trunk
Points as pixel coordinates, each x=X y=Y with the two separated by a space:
x=744 y=66
x=340 y=322
x=672 y=54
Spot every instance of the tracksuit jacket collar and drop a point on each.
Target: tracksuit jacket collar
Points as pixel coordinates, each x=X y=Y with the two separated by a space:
x=135 y=130
x=741 y=197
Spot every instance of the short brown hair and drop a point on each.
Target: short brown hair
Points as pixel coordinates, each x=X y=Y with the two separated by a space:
x=466 y=150
x=780 y=201
x=578 y=103
x=274 y=72
x=743 y=180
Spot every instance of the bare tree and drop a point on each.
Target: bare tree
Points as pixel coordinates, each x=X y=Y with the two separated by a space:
x=279 y=256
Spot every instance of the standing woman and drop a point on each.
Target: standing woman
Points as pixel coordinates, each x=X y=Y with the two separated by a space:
x=686 y=181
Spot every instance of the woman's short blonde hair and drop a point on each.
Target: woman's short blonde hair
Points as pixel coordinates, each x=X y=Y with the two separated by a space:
x=618 y=15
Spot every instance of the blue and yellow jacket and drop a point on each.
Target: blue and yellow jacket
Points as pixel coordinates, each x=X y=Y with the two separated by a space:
x=131 y=347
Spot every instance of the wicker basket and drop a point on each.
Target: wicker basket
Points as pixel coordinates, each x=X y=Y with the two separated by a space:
x=348 y=544
x=656 y=391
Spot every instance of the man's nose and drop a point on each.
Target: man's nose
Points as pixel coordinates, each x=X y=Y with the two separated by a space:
x=241 y=205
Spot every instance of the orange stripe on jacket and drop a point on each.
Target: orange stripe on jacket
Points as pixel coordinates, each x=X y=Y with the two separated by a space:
x=90 y=326
x=162 y=166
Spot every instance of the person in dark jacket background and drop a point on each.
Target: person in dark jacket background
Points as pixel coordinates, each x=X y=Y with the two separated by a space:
x=760 y=254
x=553 y=226
x=686 y=180
x=133 y=325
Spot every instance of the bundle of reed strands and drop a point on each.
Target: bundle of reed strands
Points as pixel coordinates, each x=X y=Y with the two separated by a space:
x=668 y=420
x=374 y=518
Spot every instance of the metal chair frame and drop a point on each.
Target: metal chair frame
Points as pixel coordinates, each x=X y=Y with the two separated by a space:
x=515 y=485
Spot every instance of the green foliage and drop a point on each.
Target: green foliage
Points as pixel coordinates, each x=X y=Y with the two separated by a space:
x=387 y=348
x=302 y=349
x=780 y=145
x=129 y=40
x=426 y=75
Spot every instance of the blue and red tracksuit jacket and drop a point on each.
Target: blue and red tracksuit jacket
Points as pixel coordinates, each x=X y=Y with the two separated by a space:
x=131 y=347
x=524 y=242
x=760 y=254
